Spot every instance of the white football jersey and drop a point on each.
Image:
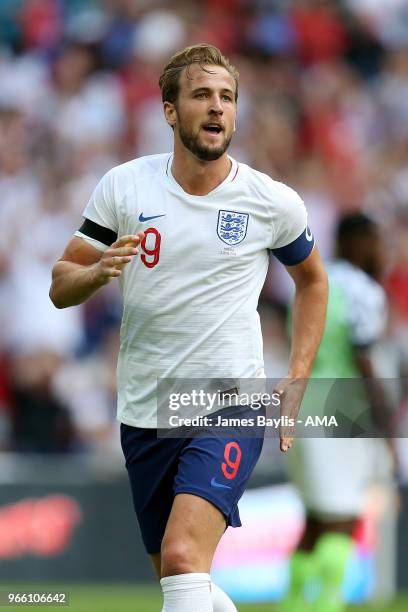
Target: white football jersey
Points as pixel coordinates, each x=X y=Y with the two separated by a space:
x=191 y=295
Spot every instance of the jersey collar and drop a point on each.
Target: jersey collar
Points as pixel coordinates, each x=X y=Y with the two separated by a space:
x=171 y=181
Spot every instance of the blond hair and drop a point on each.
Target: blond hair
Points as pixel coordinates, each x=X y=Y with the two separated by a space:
x=203 y=55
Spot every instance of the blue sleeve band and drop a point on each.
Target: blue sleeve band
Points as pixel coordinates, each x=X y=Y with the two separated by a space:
x=297 y=251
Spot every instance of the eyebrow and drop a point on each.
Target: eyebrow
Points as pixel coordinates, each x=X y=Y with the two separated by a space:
x=224 y=89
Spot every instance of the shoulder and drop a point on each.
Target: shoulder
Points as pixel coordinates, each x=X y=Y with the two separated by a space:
x=278 y=194
x=365 y=299
x=120 y=179
x=140 y=168
x=357 y=285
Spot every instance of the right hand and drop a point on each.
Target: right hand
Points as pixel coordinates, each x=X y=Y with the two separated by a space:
x=116 y=257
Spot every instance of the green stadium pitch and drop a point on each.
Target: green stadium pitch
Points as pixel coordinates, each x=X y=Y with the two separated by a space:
x=132 y=598
x=146 y=599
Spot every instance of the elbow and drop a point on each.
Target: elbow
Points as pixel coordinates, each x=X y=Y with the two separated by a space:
x=317 y=279
x=54 y=299
x=324 y=281
x=323 y=288
x=320 y=279
x=54 y=293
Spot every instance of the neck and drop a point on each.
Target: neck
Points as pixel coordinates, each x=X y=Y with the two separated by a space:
x=195 y=176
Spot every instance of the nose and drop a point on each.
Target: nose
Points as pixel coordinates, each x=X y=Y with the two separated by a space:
x=216 y=106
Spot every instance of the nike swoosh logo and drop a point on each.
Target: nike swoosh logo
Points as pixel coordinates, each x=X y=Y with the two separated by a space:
x=142 y=219
x=309 y=235
x=217 y=485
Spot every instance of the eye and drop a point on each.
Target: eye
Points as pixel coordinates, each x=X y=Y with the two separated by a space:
x=227 y=98
x=201 y=94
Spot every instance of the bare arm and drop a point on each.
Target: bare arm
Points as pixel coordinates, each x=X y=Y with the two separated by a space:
x=381 y=409
x=376 y=393
x=308 y=323
x=309 y=314
x=82 y=269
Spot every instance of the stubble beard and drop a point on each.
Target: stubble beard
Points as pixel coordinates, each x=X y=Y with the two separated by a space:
x=203 y=152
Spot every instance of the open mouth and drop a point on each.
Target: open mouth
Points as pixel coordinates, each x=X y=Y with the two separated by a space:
x=212 y=128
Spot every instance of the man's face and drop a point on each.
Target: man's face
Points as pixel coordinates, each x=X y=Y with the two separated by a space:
x=204 y=114
x=366 y=250
x=375 y=259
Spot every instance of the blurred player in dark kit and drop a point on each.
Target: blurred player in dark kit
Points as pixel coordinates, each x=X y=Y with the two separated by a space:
x=333 y=475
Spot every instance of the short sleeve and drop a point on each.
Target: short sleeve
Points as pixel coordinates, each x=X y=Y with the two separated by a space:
x=293 y=240
x=100 y=228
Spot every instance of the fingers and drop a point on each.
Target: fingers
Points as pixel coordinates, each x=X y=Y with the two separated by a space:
x=286 y=444
x=289 y=409
x=130 y=240
x=279 y=391
x=118 y=255
x=120 y=261
x=111 y=265
x=123 y=250
x=113 y=273
x=280 y=387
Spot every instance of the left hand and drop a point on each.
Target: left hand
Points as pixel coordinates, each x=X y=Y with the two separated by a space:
x=291 y=391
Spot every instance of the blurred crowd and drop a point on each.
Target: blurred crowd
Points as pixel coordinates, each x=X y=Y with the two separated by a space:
x=323 y=106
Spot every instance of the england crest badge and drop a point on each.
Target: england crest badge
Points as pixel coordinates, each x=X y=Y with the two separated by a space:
x=232 y=226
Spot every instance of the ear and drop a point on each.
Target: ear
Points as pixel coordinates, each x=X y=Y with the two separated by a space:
x=170 y=113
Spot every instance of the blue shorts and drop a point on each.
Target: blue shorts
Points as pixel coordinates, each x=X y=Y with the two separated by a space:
x=215 y=468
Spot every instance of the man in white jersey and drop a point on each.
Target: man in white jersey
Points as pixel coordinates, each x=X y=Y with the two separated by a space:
x=204 y=226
